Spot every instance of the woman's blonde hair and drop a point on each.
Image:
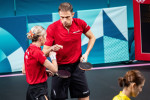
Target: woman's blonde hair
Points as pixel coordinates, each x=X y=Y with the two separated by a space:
x=35 y=33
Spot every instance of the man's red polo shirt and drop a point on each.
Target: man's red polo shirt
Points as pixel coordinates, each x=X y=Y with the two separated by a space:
x=34 y=59
x=71 y=41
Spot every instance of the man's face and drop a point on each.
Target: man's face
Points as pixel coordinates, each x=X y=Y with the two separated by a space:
x=66 y=18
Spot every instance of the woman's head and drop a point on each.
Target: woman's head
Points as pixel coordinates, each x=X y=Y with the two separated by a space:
x=133 y=80
x=37 y=33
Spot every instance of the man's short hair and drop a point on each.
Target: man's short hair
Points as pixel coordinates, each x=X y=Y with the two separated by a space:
x=65 y=7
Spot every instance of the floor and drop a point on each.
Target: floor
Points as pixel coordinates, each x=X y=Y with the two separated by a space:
x=102 y=81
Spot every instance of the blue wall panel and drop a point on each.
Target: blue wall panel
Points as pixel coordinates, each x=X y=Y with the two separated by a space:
x=17 y=27
x=36 y=7
x=7 y=8
x=129 y=4
x=12 y=43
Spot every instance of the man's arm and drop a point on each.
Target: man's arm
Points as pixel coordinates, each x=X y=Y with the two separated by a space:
x=91 y=42
x=48 y=49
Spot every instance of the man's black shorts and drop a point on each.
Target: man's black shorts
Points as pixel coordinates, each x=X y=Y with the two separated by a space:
x=77 y=83
x=37 y=92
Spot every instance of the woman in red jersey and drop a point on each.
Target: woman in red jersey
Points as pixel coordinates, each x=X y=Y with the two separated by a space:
x=35 y=64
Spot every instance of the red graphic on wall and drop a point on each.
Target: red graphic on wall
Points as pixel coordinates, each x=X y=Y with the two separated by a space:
x=142 y=29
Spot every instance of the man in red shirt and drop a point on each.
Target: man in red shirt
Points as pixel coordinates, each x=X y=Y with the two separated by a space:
x=67 y=32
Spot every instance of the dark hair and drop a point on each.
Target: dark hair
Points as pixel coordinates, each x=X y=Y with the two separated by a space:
x=131 y=76
x=35 y=33
x=65 y=7
x=35 y=38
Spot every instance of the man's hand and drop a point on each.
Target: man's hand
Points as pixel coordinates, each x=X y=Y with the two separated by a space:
x=48 y=49
x=56 y=47
x=84 y=58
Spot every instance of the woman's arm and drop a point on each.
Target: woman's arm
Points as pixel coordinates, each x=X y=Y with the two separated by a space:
x=53 y=67
x=23 y=69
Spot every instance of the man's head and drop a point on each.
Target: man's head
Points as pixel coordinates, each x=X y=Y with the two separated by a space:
x=66 y=14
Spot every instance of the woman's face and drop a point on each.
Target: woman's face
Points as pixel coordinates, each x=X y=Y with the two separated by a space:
x=43 y=40
x=137 y=89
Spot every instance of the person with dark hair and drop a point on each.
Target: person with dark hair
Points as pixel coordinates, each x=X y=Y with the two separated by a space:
x=67 y=32
x=35 y=64
x=132 y=84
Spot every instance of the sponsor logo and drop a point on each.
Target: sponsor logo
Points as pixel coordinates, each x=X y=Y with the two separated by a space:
x=77 y=31
x=140 y=1
x=86 y=92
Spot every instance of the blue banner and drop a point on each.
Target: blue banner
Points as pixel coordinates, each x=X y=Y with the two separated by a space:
x=109 y=25
x=13 y=43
